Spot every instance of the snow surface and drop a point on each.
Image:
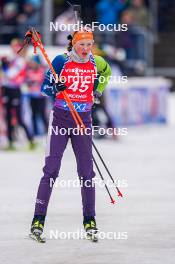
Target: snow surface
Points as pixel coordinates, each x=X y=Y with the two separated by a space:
x=145 y=158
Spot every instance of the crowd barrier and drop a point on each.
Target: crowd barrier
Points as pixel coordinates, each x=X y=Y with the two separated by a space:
x=138 y=101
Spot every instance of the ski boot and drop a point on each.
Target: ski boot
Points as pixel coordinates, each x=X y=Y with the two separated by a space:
x=90 y=227
x=37 y=229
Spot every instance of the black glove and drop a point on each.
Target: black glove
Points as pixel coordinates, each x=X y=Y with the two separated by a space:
x=28 y=36
x=59 y=87
x=97 y=96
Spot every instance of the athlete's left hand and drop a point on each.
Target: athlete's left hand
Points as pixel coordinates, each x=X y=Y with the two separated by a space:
x=59 y=87
x=97 y=96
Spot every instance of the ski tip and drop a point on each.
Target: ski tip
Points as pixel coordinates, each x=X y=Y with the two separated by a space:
x=120 y=194
x=112 y=201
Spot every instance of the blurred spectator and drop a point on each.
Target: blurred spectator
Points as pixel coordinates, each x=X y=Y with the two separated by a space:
x=35 y=3
x=8 y=22
x=125 y=39
x=133 y=42
x=108 y=11
x=139 y=13
x=34 y=79
x=13 y=76
x=31 y=16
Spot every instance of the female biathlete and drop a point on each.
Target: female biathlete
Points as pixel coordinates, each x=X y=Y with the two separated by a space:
x=80 y=65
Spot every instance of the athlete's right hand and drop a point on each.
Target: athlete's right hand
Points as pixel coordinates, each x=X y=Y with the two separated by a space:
x=59 y=87
x=28 y=36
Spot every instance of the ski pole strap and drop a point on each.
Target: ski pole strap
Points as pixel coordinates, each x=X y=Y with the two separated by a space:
x=35 y=45
x=36 y=38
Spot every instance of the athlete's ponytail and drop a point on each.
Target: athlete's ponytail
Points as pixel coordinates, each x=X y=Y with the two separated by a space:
x=69 y=48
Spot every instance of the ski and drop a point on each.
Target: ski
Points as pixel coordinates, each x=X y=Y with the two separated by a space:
x=37 y=238
x=92 y=235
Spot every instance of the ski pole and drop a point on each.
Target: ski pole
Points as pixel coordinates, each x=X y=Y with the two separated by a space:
x=112 y=200
x=119 y=193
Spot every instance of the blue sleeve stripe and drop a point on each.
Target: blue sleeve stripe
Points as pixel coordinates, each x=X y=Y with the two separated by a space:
x=47 y=86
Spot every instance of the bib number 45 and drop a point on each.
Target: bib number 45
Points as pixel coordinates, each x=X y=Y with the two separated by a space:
x=82 y=87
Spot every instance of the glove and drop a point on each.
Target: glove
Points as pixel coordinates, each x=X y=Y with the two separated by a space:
x=97 y=96
x=28 y=36
x=59 y=87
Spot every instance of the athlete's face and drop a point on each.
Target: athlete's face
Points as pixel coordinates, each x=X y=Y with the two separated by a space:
x=83 y=47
